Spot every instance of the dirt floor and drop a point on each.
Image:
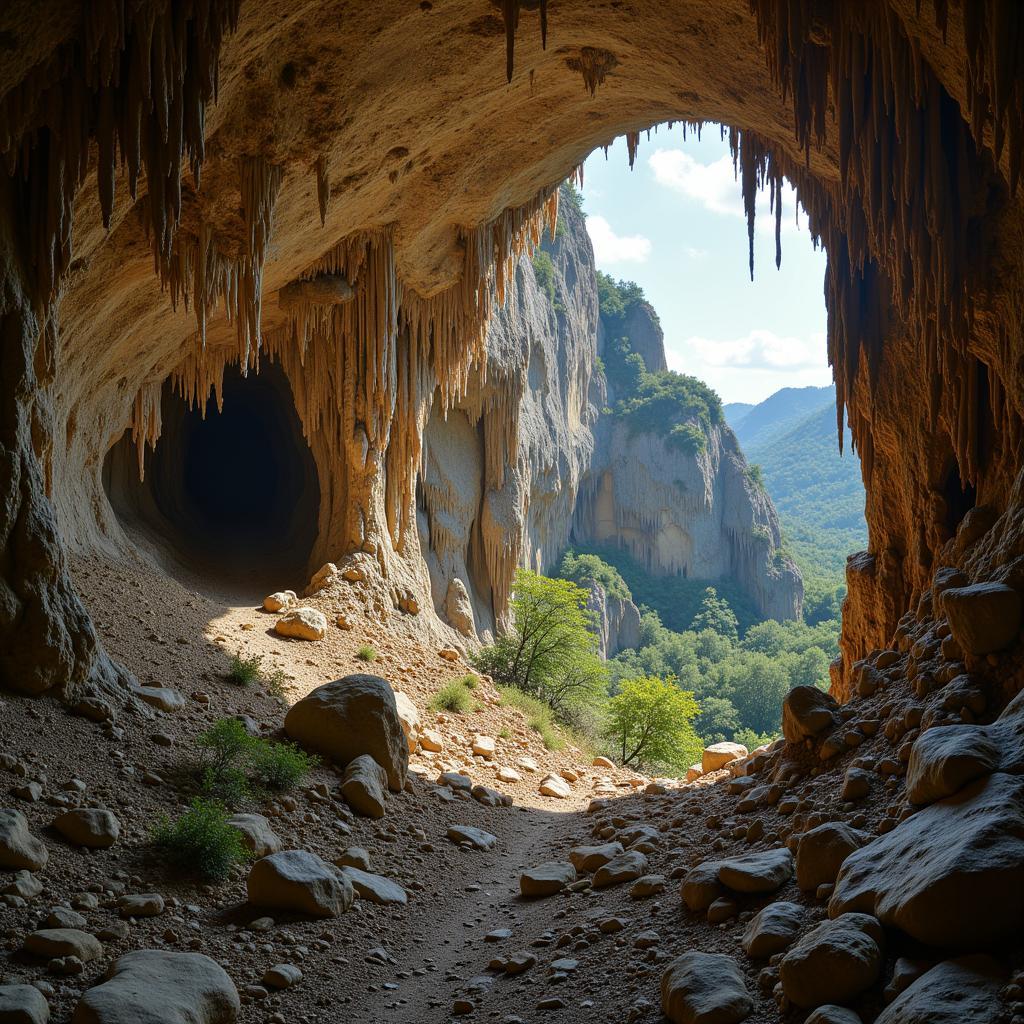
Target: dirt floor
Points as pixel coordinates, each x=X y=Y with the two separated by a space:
x=428 y=960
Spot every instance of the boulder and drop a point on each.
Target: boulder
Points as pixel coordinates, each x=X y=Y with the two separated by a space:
x=590 y=858
x=603 y=762
x=484 y=746
x=257 y=835
x=23 y=1004
x=773 y=929
x=833 y=963
x=432 y=740
x=556 y=786
x=856 y=784
x=375 y=888
x=983 y=617
x=352 y=716
x=718 y=755
x=164 y=698
x=955 y=991
x=299 y=881
x=279 y=600
x=141 y=904
x=626 y=867
x=760 y=872
x=821 y=851
x=807 y=712
x=951 y=875
x=458 y=609
x=57 y=942
x=409 y=716
x=88 y=826
x=943 y=761
x=302 y=624
x=704 y=988
x=701 y=886
x=282 y=976
x=151 y=986
x=546 y=879
x=490 y=797
x=364 y=786
x=18 y=847
x=475 y=837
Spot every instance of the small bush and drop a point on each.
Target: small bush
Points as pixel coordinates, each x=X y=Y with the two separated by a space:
x=454 y=696
x=281 y=766
x=277 y=683
x=470 y=681
x=227 y=748
x=538 y=715
x=201 y=842
x=244 y=671
x=366 y=653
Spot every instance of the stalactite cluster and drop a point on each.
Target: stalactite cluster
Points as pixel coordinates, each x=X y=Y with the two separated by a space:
x=510 y=14
x=136 y=80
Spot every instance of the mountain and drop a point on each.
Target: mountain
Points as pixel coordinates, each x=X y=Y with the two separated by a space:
x=778 y=414
x=735 y=411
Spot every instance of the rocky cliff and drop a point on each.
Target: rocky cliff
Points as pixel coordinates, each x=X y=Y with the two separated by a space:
x=532 y=459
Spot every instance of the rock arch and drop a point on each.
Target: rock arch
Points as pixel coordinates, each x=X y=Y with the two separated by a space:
x=389 y=151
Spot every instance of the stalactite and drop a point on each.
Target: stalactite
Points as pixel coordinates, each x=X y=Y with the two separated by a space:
x=510 y=15
x=323 y=187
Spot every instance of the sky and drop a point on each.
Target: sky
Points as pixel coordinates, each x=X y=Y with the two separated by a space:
x=675 y=225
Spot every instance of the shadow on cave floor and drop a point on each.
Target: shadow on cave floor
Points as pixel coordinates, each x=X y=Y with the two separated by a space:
x=230 y=501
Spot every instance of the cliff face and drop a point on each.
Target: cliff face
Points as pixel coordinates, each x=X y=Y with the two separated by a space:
x=616 y=621
x=528 y=462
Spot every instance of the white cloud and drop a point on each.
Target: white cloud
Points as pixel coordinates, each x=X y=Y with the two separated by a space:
x=762 y=350
x=696 y=254
x=612 y=248
x=715 y=187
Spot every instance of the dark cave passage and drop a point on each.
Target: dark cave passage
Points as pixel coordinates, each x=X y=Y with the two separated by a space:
x=233 y=496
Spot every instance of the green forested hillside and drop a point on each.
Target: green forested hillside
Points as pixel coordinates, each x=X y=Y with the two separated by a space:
x=778 y=414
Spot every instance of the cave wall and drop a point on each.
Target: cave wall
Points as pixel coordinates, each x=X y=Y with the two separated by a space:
x=391 y=150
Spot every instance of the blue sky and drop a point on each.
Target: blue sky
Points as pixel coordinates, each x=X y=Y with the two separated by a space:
x=675 y=225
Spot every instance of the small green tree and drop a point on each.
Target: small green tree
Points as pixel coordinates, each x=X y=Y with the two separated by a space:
x=715 y=614
x=650 y=720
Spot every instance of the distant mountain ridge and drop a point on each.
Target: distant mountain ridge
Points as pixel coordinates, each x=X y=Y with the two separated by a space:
x=778 y=414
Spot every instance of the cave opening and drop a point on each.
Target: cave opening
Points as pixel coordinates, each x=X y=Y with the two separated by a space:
x=960 y=497
x=232 y=496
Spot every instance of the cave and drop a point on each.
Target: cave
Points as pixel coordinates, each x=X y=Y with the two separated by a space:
x=229 y=496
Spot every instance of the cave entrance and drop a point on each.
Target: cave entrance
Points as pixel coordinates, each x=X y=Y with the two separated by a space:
x=232 y=498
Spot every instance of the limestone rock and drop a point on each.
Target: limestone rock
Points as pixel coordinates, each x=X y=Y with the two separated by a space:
x=143 y=904
x=807 y=712
x=484 y=746
x=475 y=837
x=164 y=698
x=57 y=942
x=701 y=886
x=432 y=740
x=984 y=617
x=18 y=847
x=773 y=929
x=458 y=609
x=279 y=600
x=763 y=871
x=955 y=991
x=364 y=786
x=409 y=716
x=322 y=578
x=718 y=755
x=590 y=858
x=89 y=827
x=704 y=988
x=833 y=963
x=943 y=761
x=626 y=867
x=299 y=881
x=970 y=844
x=556 y=786
x=150 y=986
x=352 y=716
x=23 y=1004
x=821 y=852
x=546 y=879
x=282 y=976
x=257 y=835
x=375 y=888
x=603 y=762
x=302 y=624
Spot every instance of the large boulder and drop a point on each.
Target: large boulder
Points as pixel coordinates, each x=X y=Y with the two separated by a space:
x=951 y=875
x=151 y=986
x=352 y=716
x=718 y=755
x=364 y=785
x=23 y=1004
x=807 y=712
x=983 y=617
x=943 y=761
x=301 y=882
x=626 y=867
x=18 y=847
x=257 y=834
x=88 y=826
x=302 y=624
x=833 y=963
x=773 y=929
x=409 y=716
x=546 y=879
x=952 y=992
x=821 y=851
x=704 y=988
x=760 y=872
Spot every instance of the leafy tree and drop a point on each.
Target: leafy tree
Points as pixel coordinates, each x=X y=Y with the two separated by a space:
x=585 y=569
x=718 y=720
x=715 y=614
x=650 y=721
x=548 y=650
x=756 y=685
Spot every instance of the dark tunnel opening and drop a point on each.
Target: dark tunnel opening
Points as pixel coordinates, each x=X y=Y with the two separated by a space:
x=233 y=496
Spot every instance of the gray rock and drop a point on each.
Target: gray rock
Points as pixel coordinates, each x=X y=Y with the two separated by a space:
x=763 y=871
x=833 y=963
x=141 y=904
x=822 y=850
x=353 y=857
x=375 y=888
x=24 y=884
x=475 y=837
x=943 y=761
x=349 y=717
x=18 y=847
x=23 y=1004
x=257 y=835
x=952 y=992
x=282 y=976
x=89 y=826
x=166 y=698
x=590 y=858
x=773 y=929
x=807 y=712
x=364 y=786
x=951 y=875
x=704 y=988
x=546 y=879
x=299 y=881
x=701 y=886
x=151 y=986
x=626 y=867
x=983 y=617
x=57 y=942
x=832 y=1015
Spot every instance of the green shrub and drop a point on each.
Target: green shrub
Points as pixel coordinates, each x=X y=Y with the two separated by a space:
x=538 y=715
x=544 y=272
x=201 y=842
x=244 y=671
x=226 y=752
x=688 y=438
x=454 y=696
x=366 y=653
x=470 y=681
x=277 y=683
x=585 y=569
x=281 y=766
